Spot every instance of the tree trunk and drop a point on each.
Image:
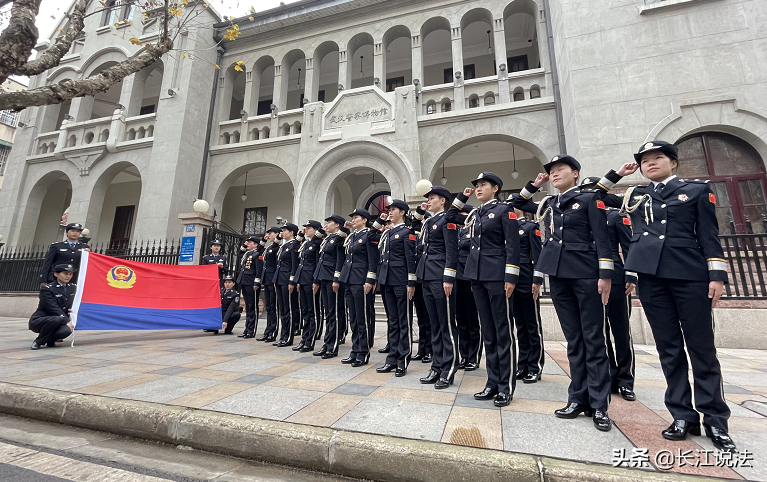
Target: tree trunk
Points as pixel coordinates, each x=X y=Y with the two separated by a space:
x=19 y=38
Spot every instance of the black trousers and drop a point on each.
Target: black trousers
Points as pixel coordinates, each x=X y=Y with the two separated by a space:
x=582 y=316
x=424 y=324
x=233 y=319
x=527 y=317
x=399 y=334
x=308 y=304
x=50 y=328
x=251 y=309
x=622 y=356
x=679 y=313
x=270 y=306
x=444 y=332
x=497 y=334
x=334 y=308
x=290 y=315
x=467 y=319
x=370 y=313
x=356 y=303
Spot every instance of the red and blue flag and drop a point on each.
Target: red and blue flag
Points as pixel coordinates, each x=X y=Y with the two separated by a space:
x=116 y=294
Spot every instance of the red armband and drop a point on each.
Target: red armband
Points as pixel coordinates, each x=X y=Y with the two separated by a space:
x=412 y=237
x=627 y=221
x=537 y=232
x=712 y=198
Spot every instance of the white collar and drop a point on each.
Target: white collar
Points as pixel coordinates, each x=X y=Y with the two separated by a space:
x=574 y=187
x=664 y=182
x=360 y=230
x=490 y=201
x=397 y=226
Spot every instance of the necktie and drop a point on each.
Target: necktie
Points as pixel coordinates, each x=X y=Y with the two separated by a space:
x=659 y=187
x=71 y=245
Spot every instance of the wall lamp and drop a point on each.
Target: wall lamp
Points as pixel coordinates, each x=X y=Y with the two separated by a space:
x=502 y=67
x=68 y=117
x=376 y=80
x=171 y=92
x=458 y=75
x=119 y=106
x=340 y=87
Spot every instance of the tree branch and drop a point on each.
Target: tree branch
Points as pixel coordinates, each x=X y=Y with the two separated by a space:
x=19 y=38
x=69 y=89
x=53 y=55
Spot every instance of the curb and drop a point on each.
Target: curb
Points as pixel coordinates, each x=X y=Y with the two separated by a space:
x=339 y=452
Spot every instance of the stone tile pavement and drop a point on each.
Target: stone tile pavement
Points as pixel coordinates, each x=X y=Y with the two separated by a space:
x=228 y=374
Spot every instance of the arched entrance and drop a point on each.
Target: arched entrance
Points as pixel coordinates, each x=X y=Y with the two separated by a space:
x=114 y=205
x=46 y=209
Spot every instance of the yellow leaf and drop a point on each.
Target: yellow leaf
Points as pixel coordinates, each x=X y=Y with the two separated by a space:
x=252 y=10
x=117 y=24
x=205 y=5
x=144 y=14
x=250 y=18
x=135 y=41
x=218 y=67
x=183 y=56
x=238 y=68
x=186 y=2
x=103 y=4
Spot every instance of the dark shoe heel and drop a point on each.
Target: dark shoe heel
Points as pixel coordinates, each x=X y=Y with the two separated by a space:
x=694 y=430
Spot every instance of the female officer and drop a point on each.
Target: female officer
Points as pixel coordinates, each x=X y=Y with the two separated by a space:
x=577 y=257
x=675 y=250
x=493 y=268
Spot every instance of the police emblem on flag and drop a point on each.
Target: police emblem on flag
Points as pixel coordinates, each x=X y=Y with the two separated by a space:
x=121 y=277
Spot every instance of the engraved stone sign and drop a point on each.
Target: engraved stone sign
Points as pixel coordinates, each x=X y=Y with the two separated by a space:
x=357 y=108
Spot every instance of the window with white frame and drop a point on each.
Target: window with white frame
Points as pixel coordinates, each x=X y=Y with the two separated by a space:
x=8 y=117
x=4 y=152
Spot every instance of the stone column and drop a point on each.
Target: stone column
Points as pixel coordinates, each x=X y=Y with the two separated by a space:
x=276 y=99
x=379 y=65
x=81 y=108
x=311 y=82
x=247 y=100
x=499 y=36
x=193 y=225
x=344 y=76
x=417 y=58
x=459 y=102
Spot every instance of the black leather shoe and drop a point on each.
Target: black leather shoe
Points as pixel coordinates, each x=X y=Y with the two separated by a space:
x=521 y=374
x=386 y=368
x=572 y=410
x=51 y=344
x=261 y=338
x=679 y=429
x=442 y=383
x=320 y=352
x=35 y=346
x=502 y=399
x=298 y=347
x=400 y=372
x=427 y=358
x=284 y=343
x=359 y=363
x=432 y=377
x=306 y=349
x=471 y=366
x=297 y=333
x=329 y=354
x=531 y=378
x=418 y=356
x=486 y=394
x=602 y=421
x=627 y=394
x=721 y=439
x=385 y=349
x=348 y=361
x=271 y=339
x=342 y=341
x=462 y=365
x=242 y=335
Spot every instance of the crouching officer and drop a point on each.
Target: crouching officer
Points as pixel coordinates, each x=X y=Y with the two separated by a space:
x=307 y=264
x=64 y=252
x=51 y=320
x=230 y=306
x=215 y=257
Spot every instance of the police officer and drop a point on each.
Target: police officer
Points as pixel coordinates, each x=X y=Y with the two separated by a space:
x=51 y=319
x=359 y=274
x=250 y=266
x=622 y=362
x=287 y=296
x=466 y=315
x=328 y=270
x=215 y=257
x=396 y=275
x=493 y=268
x=437 y=269
x=307 y=264
x=576 y=255
x=64 y=252
x=424 y=324
x=675 y=249
x=230 y=305
x=270 y=244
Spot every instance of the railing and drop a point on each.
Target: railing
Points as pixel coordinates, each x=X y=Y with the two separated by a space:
x=46 y=143
x=20 y=267
x=139 y=127
x=746 y=257
x=260 y=127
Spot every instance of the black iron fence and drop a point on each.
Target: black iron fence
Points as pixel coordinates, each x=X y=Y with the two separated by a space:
x=746 y=258
x=231 y=244
x=20 y=267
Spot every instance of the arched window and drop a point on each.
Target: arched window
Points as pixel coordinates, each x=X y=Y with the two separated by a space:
x=431 y=107
x=473 y=101
x=447 y=106
x=131 y=135
x=266 y=133
x=737 y=175
x=297 y=127
x=141 y=133
x=150 y=131
x=72 y=141
x=104 y=135
x=535 y=92
x=236 y=137
x=226 y=137
x=88 y=137
x=285 y=129
x=255 y=135
x=519 y=94
x=44 y=149
x=490 y=98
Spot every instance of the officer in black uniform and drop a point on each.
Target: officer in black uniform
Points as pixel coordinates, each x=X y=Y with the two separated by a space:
x=230 y=305
x=576 y=255
x=526 y=308
x=307 y=265
x=622 y=362
x=215 y=257
x=250 y=266
x=437 y=269
x=493 y=268
x=676 y=251
x=424 y=324
x=51 y=319
x=396 y=275
x=466 y=314
x=328 y=270
x=359 y=274
x=270 y=295
x=287 y=297
x=64 y=252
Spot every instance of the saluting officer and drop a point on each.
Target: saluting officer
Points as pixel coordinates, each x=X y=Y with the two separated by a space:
x=215 y=257
x=328 y=270
x=493 y=268
x=437 y=269
x=676 y=251
x=251 y=266
x=622 y=362
x=424 y=324
x=270 y=295
x=51 y=319
x=396 y=275
x=307 y=264
x=64 y=252
x=359 y=274
x=230 y=305
x=287 y=297
x=576 y=255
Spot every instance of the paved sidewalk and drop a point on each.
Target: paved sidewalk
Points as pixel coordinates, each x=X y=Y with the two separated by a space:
x=228 y=374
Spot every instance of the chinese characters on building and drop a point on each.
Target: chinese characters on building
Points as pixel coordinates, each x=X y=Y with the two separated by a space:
x=357 y=117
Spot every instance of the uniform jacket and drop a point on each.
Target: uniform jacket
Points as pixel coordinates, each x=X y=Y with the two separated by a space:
x=439 y=240
x=55 y=300
x=270 y=262
x=494 y=253
x=331 y=256
x=251 y=266
x=419 y=216
x=464 y=245
x=360 y=263
x=230 y=303
x=215 y=259
x=287 y=263
x=576 y=242
x=60 y=253
x=619 y=227
x=529 y=252
x=397 y=256
x=307 y=261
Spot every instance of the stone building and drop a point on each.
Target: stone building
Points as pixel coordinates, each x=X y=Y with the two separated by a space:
x=9 y=121
x=341 y=103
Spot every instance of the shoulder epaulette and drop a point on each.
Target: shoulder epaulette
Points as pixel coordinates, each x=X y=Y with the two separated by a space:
x=696 y=181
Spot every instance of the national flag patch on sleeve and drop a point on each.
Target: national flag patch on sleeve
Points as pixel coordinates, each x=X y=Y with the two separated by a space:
x=451 y=226
x=512 y=215
x=627 y=221
x=712 y=198
x=537 y=232
x=600 y=204
x=412 y=237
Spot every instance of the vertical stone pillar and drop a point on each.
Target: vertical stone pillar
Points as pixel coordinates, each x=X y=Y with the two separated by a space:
x=247 y=100
x=499 y=36
x=81 y=108
x=459 y=102
x=276 y=98
x=311 y=82
x=417 y=58
x=379 y=65
x=191 y=240
x=344 y=76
